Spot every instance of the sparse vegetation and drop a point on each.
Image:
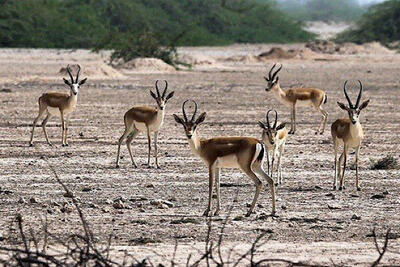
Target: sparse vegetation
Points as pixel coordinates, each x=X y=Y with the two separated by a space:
x=388 y=162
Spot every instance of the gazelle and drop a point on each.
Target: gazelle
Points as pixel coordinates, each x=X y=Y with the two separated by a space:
x=245 y=153
x=274 y=138
x=349 y=133
x=59 y=104
x=145 y=118
x=303 y=97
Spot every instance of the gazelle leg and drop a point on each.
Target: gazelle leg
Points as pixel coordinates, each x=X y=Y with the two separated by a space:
x=259 y=170
x=131 y=136
x=217 y=190
x=63 y=127
x=356 y=163
x=149 y=145
x=66 y=129
x=156 y=148
x=323 y=121
x=41 y=111
x=44 y=128
x=293 y=120
x=267 y=152
x=121 y=139
x=335 y=165
x=272 y=166
x=211 y=171
x=279 y=164
x=344 y=155
x=247 y=170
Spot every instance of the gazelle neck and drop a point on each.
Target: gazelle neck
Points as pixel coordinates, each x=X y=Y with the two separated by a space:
x=160 y=116
x=194 y=143
x=73 y=98
x=279 y=94
x=356 y=130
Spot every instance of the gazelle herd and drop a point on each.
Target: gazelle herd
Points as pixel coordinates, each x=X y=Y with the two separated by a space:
x=245 y=153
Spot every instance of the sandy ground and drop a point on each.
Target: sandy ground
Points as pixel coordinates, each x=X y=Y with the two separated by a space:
x=314 y=223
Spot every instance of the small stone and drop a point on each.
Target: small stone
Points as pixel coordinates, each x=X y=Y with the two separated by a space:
x=86 y=189
x=355 y=217
x=378 y=196
x=33 y=200
x=108 y=201
x=55 y=204
x=1 y=237
x=142 y=210
x=168 y=203
x=92 y=205
x=21 y=200
x=333 y=207
x=385 y=192
x=50 y=211
x=106 y=209
x=260 y=205
x=81 y=134
x=118 y=205
x=68 y=194
x=150 y=186
x=66 y=208
x=283 y=207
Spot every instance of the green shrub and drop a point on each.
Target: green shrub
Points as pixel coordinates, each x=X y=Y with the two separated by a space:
x=380 y=23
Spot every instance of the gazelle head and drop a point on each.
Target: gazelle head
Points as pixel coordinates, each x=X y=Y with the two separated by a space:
x=161 y=99
x=353 y=110
x=272 y=79
x=190 y=125
x=74 y=85
x=270 y=133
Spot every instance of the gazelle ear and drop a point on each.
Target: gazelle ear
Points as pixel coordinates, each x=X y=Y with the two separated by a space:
x=170 y=95
x=364 y=104
x=83 y=81
x=66 y=81
x=201 y=118
x=281 y=126
x=261 y=124
x=178 y=119
x=342 y=106
x=153 y=95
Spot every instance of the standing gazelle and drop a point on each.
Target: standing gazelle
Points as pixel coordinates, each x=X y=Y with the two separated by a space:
x=349 y=133
x=245 y=153
x=274 y=138
x=303 y=97
x=145 y=118
x=59 y=104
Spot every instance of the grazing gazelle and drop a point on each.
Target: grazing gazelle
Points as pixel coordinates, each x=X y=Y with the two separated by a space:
x=274 y=137
x=145 y=118
x=59 y=104
x=245 y=153
x=302 y=97
x=349 y=133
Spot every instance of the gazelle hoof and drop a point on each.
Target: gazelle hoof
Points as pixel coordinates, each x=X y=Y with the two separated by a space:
x=31 y=144
x=216 y=213
x=291 y=132
x=248 y=214
x=358 y=188
x=207 y=213
x=117 y=166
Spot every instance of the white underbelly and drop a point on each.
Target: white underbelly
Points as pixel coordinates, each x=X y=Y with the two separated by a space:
x=230 y=161
x=56 y=111
x=304 y=103
x=141 y=126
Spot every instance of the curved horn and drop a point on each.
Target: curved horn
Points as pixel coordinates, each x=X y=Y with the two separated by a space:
x=195 y=111
x=158 y=92
x=347 y=96
x=70 y=75
x=269 y=74
x=267 y=117
x=184 y=112
x=77 y=74
x=276 y=72
x=165 y=90
x=359 y=94
x=276 y=119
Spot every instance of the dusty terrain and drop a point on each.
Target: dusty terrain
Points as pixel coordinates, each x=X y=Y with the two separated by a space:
x=314 y=223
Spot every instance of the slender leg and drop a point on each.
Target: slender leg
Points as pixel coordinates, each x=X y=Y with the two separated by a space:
x=247 y=170
x=272 y=164
x=156 y=149
x=344 y=155
x=131 y=136
x=259 y=170
x=44 y=128
x=281 y=148
x=267 y=152
x=356 y=162
x=211 y=170
x=149 y=145
x=41 y=111
x=66 y=129
x=336 y=167
x=121 y=139
x=293 y=120
x=217 y=183
x=63 y=127
x=324 y=119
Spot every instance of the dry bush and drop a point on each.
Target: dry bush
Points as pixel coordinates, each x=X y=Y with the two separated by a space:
x=389 y=162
